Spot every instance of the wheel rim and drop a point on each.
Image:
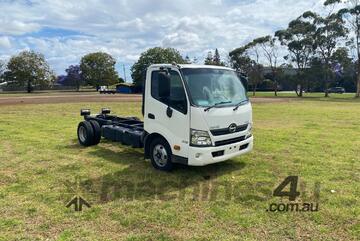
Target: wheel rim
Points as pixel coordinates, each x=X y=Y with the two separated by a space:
x=160 y=155
x=82 y=134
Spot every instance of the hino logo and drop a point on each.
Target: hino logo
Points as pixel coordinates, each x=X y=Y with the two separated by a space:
x=232 y=128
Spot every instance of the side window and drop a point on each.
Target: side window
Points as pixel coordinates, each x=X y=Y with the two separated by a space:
x=177 y=97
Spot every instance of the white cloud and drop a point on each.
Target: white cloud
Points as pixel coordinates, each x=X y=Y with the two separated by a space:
x=185 y=41
x=64 y=30
x=5 y=42
x=15 y=27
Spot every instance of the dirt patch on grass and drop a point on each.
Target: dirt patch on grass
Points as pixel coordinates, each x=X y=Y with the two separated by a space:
x=96 y=97
x=50 y=99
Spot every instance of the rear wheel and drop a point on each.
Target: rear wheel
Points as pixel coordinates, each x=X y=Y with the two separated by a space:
x=85 y=133
x=97 y=132
x=160 y=154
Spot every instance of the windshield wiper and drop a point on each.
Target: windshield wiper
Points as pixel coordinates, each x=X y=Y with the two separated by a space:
x=240 y=104
x=220 y=103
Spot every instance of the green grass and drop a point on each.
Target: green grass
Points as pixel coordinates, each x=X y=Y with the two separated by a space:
x=40 y=161
x=315 y=95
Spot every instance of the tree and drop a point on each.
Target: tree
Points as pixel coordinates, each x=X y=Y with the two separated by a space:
x=256 y=71
x=239 y=59
x=98 y=69
x=345 y=69
x=329 y=30
x=217 y=59
x=351 y=14
x=315 y=75
x=214 y=60
x=246 y=59
x=209 y=60
x=73 y=77
x=121 y=80
x=299 y=40
x=270 y=52
x=28 y=69
x=155 y=55
x=256 y=75
x=2 y=69
x=341 y=56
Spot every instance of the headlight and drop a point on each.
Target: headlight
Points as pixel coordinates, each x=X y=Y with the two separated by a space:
x=200 y=138
x=250 y=127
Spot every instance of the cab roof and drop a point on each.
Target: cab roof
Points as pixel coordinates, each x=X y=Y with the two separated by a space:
x=192 y=66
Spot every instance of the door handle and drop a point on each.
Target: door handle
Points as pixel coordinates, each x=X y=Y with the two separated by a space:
x=151 y=116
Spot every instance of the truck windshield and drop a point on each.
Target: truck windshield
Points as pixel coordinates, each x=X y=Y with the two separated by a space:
x=214 y=87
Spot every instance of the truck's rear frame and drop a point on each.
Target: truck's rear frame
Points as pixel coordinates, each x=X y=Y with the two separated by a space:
x=126 y=130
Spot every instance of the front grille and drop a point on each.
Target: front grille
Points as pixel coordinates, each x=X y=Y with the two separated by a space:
x=229 y=141
x=225 y=131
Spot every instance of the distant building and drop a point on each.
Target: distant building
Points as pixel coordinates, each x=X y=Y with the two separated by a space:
x=285 y=70
x=124 y=88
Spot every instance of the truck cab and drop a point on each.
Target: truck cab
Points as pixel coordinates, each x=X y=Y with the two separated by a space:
x=195 y=115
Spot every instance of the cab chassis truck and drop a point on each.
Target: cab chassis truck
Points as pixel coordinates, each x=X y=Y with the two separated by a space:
x=193 y=115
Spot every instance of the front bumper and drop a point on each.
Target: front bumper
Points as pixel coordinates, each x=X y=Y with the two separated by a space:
x=208 y=155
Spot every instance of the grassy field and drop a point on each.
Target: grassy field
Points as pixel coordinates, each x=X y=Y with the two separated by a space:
x=42 y=167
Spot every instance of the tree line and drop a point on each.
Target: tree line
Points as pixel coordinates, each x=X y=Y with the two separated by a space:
x=30 y=69
x=317 y=46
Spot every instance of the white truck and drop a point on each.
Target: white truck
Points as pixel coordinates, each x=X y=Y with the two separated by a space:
x=106 y=90
x=194 y=115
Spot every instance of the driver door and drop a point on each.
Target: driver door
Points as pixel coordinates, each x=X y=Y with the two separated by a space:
x=167 y=109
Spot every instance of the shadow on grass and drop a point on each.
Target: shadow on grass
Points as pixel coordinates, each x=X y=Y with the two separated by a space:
x=139 y=181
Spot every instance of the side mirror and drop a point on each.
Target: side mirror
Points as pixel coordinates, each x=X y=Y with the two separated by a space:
x=244 y=81
x=164 y=85
x=169 y=112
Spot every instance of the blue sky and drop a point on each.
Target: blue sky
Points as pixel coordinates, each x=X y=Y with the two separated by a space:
x=65 y=30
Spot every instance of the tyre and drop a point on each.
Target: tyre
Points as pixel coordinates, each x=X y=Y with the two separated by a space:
x=97 y=132
x=85 y=133
x=160 y=154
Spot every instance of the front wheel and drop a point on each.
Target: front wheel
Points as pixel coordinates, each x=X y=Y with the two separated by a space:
x=161 y=155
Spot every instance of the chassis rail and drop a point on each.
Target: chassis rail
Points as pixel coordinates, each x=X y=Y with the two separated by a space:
x=126 y=130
